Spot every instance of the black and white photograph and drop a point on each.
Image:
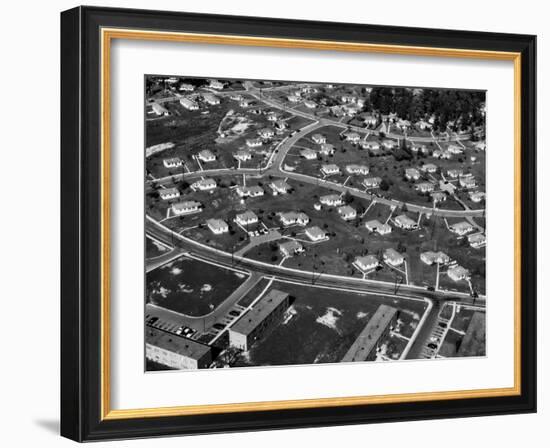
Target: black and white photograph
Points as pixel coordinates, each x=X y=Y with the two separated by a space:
x=292 y=223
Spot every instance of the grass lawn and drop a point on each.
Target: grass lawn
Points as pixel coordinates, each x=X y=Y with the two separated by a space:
x=320 y=326
x=191 y=287
x=154 y=249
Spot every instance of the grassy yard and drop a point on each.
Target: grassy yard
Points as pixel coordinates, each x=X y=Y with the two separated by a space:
x=191 y=287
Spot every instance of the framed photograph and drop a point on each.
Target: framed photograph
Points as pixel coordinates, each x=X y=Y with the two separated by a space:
x=276 y=224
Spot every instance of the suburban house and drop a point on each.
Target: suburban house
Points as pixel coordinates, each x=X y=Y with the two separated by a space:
x=371 y=145
x=370 y=120
x=477 y=196
x=412 y=174
x=246 y=102
x=213 y=100
x=280 y=187
x=347 y=212
x=331 y=200
x=281 y=125
x=246 y=218
x=393 y=258
x=169 y=193
x=438 y=196
x=159 y=109
x=290 y=248
x=481 y=146
x=254 y=142
x=204 y=184
x=217 y=226
x=266 y=132
x=242 y=155
x=431 y=257
x=461 y=228
x=357 y=169
x=326 y=149
x=454 y=173
x=372 y=182
x=310 y=104
x=403 y=124
x=477 y=240
x=252 y=191
x=457 y=273
x=206 y=156
x=419 y=148
x=215 y=84
x=352 y=137
x=468 y=181
x=236 y=97
x=187 y=87
x=185 y=207
x=389 y=144
x=291 y=218
x=172 y=162
x=273 y=116
x=429 y=168
x=376 y=226
x=315 y=233
x=438 y=154
x=294 y=98
x=366 y=263
x=330 y=168
x=189 y=104
x=308 y=154
x=455 y=149
x=404 y=222
x=425 y=187
x=319 y=138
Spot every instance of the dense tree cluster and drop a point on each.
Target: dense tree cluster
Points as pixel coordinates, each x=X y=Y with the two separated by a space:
x=462 y=107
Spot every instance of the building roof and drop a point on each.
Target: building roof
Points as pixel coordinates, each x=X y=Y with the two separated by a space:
x=216 y=223
x=247 y=215
x=186 y=204
x=393 y=254
x=255 y=316
x=176 y=344
x=168 y=191
x=405 y=220
x=280 y=184
x=316 y=231
x=346 y=209
x=369 y=337
x=290 y=246
x=367 y=260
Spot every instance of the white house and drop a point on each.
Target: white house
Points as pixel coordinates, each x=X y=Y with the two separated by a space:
x=366 y=263
x=371 y=145
x=217 y=226
x=204 y=184
x=187 y=87
x=372 y=182
x=455 y=149
x=481 y=146
x=393 y=258
x=326 y=149
x=376 y=226
x=370 y=120
x=438 y=154
x=352 y=137
x=319 y=138
x=429 y=168
x=281 y=125
x=211 y=99
x=425 y=187
x=189 y=104
x=279 y=187
x=403 y=124
x=357 y=169
x=347 y=212
x=457 y=273
x=172 y=162
x=291 y=218
x=454 y=173
x=290 y=248
x=438 y=196
x=242 y=155
x=254 y=142
x=310 y=104
x=331 y=200
x=308 y=154
x=252 y=191
x=294 y=98
x=461 y=228
x=404 y=222
x=315 y=233
x=246 y=102
x=477 y=240
x=477 y=196
x=419 y=148
x=430 y=257
x=206 y=156
x=330 y=168
x=412 y=174
x=246 y=218
x=185 y=207
x=468 y=181
x=215 y=84
x=159 y=109
x=169 y=193
x=389 y=144
x=266 y=132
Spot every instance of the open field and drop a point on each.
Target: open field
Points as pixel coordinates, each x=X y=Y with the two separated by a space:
x=320 y=327
x=191 y=287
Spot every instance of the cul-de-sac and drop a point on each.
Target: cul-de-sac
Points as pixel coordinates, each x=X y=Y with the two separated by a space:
x=301 y=223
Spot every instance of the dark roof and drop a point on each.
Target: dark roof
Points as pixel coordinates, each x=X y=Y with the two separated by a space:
x=369 y=337
x=259 y=312
x=176 y=344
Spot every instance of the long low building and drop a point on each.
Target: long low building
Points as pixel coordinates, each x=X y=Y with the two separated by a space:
x=256 y=321
x=365 y=346
x=176 y=351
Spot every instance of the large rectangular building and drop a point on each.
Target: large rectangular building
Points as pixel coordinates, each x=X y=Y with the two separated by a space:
x=365 y=346
x=255 y=322
x=176 y=351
